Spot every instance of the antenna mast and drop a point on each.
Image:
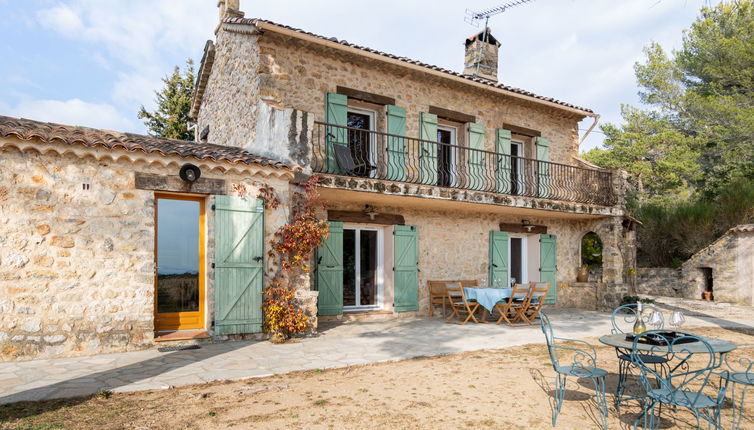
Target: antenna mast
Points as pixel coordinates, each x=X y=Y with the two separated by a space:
x=474 y=18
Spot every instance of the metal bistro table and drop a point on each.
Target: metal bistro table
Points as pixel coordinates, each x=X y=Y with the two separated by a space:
x=623 y=346
x=487 y=297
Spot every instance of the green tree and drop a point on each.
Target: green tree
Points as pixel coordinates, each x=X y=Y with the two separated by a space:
x=698 y=133
x=173 y=101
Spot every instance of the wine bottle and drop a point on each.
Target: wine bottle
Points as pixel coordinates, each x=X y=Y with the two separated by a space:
x=639 y=326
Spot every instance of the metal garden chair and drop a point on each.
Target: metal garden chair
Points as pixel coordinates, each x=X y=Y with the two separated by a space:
x=687 y=385
x=623 y=319
x=581 y=363
x=739 y=373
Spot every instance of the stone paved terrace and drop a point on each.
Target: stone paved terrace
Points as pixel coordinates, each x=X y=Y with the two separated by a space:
x=336 y=346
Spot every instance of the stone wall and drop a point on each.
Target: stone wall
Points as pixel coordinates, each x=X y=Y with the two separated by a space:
x=290 y=73
x=454 y=243
x=659 y=281
x=76 y=261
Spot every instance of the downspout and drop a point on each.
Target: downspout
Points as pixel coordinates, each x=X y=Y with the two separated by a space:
x=594 y=124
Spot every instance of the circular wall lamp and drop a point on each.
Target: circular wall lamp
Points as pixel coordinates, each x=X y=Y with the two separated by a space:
x=190 y=173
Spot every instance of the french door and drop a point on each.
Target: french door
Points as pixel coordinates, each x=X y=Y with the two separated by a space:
x=179 y=254
x=362 y=268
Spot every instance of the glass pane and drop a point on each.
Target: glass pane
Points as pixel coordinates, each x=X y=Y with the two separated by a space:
x=349 y=267
x=516 y=260
x=368 y=269
x=177 y=256
x=359 y=141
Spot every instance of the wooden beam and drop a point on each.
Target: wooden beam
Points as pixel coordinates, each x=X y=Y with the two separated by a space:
x=361 y=217
x=519 y=228
x=522 y=130
x=365 y=96
x=452 y=115
x=151 y=181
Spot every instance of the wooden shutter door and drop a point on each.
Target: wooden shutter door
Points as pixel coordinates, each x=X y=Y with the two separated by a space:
x=548 y=265
x=503 y=172
x=428 y=151
x=239 y=264
x=476 y=158
x=499 y=273
x=406 y=269
x=336 y=113
x=330 y=272
x=543 y=169
x=396 y=146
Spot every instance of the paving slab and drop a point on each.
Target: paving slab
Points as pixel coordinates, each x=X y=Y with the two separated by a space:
x=336 y=345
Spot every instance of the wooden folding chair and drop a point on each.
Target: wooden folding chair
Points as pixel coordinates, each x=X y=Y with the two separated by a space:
x=469 y=283
x=511 y=311
x=536 y=301
x=459 y=305
x=437 y=295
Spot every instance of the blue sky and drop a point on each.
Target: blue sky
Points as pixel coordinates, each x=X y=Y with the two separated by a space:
x=94 y=62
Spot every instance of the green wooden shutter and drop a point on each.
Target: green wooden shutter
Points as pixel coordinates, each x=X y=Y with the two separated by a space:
x=476 y=158
x=548 y=265
x=396 y=146
x=330 y=272
x=499 y=272
x=336 y=113
x=503 y=146
x=428 y=150
x=543 y=169
x=239 y=264
x=406 y=269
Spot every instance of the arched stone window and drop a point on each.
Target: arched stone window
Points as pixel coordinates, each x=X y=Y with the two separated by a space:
x=591 y=250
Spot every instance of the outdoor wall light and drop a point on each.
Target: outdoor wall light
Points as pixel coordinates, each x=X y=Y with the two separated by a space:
x=189 y=173
x=370 y=211
x=527 y=225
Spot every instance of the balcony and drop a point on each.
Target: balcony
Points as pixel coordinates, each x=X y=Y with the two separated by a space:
x=376 y=155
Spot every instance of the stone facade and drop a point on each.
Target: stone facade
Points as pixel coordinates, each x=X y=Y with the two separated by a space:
x=77 y=243
x=289 y=73
x=453 y=243
x=728 y=263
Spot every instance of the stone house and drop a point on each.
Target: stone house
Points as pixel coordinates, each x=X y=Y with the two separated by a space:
x=113 y=241
x=103 y=245
x=429 y=174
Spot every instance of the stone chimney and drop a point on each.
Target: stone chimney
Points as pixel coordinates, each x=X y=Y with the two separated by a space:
x=481 y=55
x=229 y=8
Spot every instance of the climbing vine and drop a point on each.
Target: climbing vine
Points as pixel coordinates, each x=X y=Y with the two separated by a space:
x=291 y=250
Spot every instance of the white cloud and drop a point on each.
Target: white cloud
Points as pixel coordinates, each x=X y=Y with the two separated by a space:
x=73 y=112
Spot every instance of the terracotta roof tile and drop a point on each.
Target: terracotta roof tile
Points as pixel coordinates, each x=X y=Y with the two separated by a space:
x=26 y=129
x=255 y=21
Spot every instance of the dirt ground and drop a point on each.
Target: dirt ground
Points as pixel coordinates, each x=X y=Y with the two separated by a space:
x=509 y=389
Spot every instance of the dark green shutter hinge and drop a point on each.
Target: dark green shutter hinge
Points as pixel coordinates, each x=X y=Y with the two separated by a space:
x=213 y=206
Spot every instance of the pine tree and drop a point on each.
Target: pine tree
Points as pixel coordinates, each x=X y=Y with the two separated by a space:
x=171 y=120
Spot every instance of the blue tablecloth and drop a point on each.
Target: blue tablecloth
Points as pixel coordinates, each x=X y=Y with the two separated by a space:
x=487 y=297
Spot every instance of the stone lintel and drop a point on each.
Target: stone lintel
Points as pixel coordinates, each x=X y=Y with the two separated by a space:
x=154 y=182
x=361 y=217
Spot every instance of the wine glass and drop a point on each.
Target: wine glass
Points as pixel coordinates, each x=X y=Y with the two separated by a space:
x=677 y=320
x=656 y=320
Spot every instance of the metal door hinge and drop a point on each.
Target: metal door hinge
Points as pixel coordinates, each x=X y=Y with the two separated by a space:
x=213 y=265
x=213 y=206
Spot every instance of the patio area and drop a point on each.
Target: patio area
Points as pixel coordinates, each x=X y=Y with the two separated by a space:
x=337 y=345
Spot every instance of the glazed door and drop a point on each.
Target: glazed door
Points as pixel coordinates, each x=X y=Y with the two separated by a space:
x=179 y=280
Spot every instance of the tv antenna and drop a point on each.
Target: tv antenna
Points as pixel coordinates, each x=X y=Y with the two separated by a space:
x=474 y=18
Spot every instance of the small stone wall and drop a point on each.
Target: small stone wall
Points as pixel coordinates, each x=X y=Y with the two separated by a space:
x=660 y=281
x=592 y=296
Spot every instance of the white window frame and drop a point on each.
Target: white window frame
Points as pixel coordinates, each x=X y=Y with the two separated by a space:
x=524 y=258
x=372 y=141
x=453 y=156
x=380 y=273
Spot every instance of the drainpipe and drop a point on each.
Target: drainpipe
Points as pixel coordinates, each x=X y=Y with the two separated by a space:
x=594 y=124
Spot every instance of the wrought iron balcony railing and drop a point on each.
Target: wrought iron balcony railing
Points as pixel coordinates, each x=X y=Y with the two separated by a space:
x=372 y=154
